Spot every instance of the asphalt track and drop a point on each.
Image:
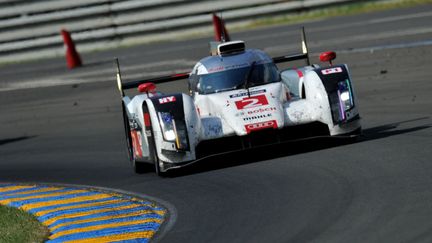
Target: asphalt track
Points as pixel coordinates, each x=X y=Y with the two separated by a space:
x=376 y=190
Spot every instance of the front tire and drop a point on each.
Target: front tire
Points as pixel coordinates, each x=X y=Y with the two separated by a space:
x=138 y=167
x=152 y=145
x=156 y=161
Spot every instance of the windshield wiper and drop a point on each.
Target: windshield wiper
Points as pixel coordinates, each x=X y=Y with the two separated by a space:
x=226 y=89
x=246 y=83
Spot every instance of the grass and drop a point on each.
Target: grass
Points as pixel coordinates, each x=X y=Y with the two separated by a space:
x=18 y=226
x=335 y=11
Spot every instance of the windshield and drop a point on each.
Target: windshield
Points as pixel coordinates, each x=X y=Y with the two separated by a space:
x=257 y=74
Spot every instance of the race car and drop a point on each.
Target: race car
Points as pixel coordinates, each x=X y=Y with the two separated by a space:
x=238 y=99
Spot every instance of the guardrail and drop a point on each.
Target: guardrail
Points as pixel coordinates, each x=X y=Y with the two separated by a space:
x=31 y=30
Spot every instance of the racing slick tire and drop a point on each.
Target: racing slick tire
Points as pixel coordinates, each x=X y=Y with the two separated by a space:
x=156 y=164
x=138 y=167
x=156 y=161
x=152 y=147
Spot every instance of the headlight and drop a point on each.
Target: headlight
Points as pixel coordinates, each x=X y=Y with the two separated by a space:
x=166 y=121
x=345 y=98
x=170 y=135
x=345 y=94
x=174 y=131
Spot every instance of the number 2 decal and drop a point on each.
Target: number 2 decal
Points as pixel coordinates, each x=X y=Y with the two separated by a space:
x=251 y=102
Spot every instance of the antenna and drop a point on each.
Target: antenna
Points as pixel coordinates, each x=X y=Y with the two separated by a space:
x=119 y=79
x=304 y=45
x=222 y=24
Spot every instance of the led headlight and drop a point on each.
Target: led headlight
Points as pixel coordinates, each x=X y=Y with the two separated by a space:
x=345 y=100
x=167 y=125
x=170 y=135
x=174 y=131
x=345 y=96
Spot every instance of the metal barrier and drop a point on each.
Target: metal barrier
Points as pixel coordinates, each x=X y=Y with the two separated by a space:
x=31 y=29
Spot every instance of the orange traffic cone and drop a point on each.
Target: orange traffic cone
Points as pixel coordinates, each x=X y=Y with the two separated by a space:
x=221 y=34
x=73 y=59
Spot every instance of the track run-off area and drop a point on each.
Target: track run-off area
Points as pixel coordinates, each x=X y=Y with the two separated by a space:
x=67 y=129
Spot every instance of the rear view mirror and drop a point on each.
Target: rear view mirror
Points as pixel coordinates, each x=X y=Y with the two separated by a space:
x=147 y=87
x=328 y=56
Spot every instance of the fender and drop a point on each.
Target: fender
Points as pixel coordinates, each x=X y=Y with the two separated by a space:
x=136 y=123
x=336 y=79
x=172 y=104
x=176 y=110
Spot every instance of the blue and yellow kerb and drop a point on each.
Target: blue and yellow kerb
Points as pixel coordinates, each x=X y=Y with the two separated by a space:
x=86 y=215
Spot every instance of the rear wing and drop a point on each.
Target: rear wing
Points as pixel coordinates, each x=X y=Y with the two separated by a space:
x=295 y=57
x=133 y=84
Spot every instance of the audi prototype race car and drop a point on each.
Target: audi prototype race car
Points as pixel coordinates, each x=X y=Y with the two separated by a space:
x=238 y=99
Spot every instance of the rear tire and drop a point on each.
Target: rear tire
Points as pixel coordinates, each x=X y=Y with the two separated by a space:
x=127 y=133
x=139 y=167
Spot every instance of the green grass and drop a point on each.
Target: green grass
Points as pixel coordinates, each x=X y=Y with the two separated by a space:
x=343 y=10
x=18 y=226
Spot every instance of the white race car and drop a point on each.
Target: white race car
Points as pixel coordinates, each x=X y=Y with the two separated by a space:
x=238 y=99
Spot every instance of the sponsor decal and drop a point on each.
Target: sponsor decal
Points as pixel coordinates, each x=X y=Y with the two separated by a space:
x=249 y=118
x=331 y=70
x=261 y=110
x=251 y=102
x=168 y=99
x=260 y=125
x=216 y=69
x=235 y=66
x=215 y=129
x=241 y=113
x=212 y=127
x=245 y=93
x=136 y=143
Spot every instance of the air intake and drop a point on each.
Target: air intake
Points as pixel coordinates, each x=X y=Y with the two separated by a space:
x=231 y=47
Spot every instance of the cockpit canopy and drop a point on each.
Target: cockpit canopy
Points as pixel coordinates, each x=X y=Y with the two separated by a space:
x=215 y=74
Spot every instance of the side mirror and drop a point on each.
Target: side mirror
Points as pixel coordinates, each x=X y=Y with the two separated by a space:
x=328 y=56
x=147 y=87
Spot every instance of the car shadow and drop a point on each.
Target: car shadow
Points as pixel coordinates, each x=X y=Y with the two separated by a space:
x=16 y=139
x=295 y=147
